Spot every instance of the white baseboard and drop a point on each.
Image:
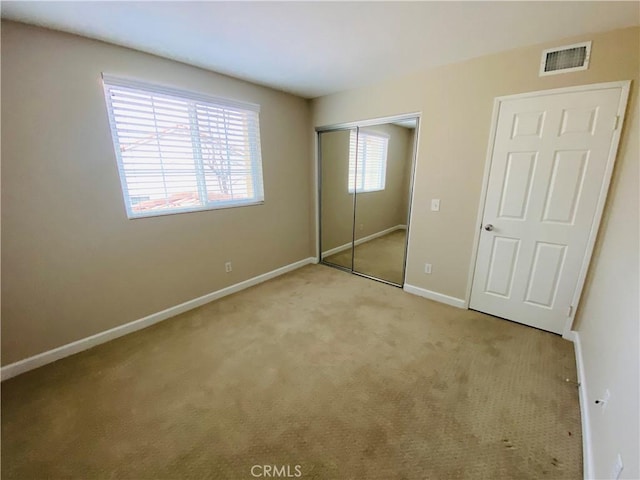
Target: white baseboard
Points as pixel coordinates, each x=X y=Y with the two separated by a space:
x=587 y=458
x=438 y=297
x=362 y=240
x=50 y=356
x=335 y=250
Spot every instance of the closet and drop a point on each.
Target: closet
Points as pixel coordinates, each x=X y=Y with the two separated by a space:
x=365 y=180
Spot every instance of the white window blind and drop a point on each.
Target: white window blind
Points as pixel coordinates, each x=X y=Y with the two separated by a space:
x=180 y=151
x=368 y=173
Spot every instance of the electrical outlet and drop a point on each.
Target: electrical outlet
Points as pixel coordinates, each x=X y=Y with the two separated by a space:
x=435 y=205
x=227 y=267
x=617 y=468
x=361 y=227
x=427 y=268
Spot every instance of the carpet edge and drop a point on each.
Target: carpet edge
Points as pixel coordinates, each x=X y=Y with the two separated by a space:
x=30 y=363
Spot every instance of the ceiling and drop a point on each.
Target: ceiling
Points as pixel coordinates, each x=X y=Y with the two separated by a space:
x=316 y=48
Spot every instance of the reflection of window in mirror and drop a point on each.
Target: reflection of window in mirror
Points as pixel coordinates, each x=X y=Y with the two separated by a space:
x=371 y=167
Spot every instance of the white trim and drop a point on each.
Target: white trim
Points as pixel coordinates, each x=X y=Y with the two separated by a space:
x=559 y=91
x=315 y=181
x=362 y=240
x=624 y=95
x=369 y=123
x=338 y=249
x=602 y=200
x=167 y=90
x=22 y=366
x=587 y=456
x=438 y=297
x=584 y=66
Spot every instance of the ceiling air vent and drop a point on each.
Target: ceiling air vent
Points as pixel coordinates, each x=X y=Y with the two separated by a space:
x=569 y=58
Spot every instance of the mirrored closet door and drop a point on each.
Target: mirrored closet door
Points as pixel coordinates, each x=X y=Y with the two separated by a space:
x=336 y=204
x=365 y=187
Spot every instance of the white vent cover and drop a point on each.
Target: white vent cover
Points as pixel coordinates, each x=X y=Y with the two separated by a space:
x=569 y=58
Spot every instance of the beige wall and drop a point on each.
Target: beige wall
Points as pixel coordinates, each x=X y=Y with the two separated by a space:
x=456 y=103
x=375 y=211
x=337 y=205
x=72 y=263
x=608 y=319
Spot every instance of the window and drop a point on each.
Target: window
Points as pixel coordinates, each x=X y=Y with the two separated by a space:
x=369 y=174
x=182 y=152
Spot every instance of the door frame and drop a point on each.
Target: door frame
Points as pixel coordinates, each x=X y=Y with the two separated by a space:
x=625 y=86
x=317 y=173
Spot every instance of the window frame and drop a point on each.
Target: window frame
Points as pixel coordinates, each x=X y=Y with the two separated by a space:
x=193 y=100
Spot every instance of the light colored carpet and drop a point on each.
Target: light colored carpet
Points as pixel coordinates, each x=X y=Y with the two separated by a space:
x=346 y=377
x=382 y=257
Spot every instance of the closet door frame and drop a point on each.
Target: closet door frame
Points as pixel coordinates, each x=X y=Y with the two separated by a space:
x=318 y=200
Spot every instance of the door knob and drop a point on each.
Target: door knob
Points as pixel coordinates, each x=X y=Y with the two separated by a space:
x=488 y=227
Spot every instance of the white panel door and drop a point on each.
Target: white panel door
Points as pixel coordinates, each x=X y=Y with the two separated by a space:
x=548 y=169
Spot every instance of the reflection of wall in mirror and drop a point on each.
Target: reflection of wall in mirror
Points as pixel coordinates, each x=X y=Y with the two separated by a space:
x=336 y=204
x=376 y=211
